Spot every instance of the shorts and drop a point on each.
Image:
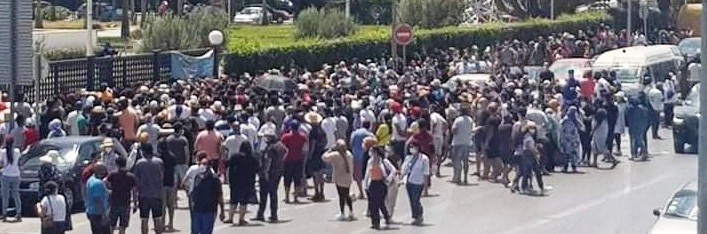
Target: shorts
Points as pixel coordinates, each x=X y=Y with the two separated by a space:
x=358 y=170
x=180 y=170
x=293 y=173
x=151 y=205
x=119 y=216
x=169 y=196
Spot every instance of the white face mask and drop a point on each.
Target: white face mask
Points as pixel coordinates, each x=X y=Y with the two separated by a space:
x=414 y=150
x=107 y=150
x=202 y=168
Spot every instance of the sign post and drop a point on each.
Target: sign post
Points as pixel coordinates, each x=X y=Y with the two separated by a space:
x=402 y=34
x=643 y=13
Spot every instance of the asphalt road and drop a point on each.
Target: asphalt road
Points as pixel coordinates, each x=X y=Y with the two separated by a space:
x=598 y=201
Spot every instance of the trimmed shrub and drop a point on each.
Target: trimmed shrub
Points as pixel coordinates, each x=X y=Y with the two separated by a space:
x=173 y=32
x=372 y=44
x=55 y=13
x=329 y=23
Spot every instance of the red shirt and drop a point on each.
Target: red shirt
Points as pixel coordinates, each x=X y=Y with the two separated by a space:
x=294 y=141
x=586 y=87
x=31 y=136
x=425 y=140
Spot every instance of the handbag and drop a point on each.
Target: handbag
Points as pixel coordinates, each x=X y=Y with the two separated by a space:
x=48 y=219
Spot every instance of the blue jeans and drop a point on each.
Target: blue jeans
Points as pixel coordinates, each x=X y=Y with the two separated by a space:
x=460 y=160
x=414 y=194
x=637 y=142
x=204 y=222
x=10 y=187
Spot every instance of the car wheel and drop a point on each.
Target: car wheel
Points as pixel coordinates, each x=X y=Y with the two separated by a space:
x=679 y=146
x=69 y=195
x=280 y=20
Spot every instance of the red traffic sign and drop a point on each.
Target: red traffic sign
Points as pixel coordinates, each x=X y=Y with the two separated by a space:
x=402 y=34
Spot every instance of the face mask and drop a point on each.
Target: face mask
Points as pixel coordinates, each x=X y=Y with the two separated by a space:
x=202 y=168
x=414 y=150
x=107 y=150
x=531 y=131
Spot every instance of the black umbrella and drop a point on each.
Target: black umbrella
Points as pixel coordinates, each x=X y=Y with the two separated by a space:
x=277 y=83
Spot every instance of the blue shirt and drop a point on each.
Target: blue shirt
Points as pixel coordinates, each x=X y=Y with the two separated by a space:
x=96 y=189
x=357 y=143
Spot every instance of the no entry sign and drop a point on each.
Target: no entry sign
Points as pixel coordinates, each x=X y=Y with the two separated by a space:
x=402 y=34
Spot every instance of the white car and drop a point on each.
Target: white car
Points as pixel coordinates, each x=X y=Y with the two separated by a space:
x=250 y=15
x=679 y=216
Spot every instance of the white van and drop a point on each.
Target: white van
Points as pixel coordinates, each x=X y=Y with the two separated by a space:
x=632 y=64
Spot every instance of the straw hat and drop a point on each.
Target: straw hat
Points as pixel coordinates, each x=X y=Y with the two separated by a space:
x=52 y=156
x=107 y=142
x=313 y=117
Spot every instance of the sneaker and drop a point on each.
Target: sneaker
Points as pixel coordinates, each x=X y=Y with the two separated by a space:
x=258 y=218
x=417 y=222
x=340 y=217
x=351 y=217
x=273 y=219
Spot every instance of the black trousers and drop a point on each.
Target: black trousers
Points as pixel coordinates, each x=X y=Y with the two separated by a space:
x=669 y=113
x=344 y=198
x=377 y=191
x=655 y=122
x=268 y=189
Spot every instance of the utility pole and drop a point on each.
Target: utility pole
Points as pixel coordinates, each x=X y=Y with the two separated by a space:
x=628 y=23
x=552 y=9
x=89 y=28
x=393 y=45
x=348 y=8
x=125 y=23
x=702 y=159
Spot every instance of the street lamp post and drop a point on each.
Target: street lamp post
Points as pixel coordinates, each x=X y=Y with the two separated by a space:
x=89 y=28
x=552 y=9
x=216 y=39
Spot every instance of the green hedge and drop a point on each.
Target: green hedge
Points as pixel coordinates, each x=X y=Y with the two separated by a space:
x=313 y=54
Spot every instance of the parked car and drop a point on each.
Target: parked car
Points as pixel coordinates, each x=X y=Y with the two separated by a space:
x=102 y=11
x=679 y=215
x=251 y=15
x=561 y=67
x=75 y=152
x=690 y=47
x=686 y=121
x=278 y=16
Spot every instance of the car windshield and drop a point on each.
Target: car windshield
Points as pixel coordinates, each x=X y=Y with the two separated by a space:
x=66 y=151
x=683 y=205
x=562 y=69
x=626 y=74
x=690 y=46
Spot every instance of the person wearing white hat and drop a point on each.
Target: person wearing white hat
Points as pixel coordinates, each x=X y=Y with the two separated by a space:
x=620 y=126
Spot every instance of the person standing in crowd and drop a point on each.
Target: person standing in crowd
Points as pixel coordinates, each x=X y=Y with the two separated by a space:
x=376 y=179
x=9 y=163
x=53 y=206
x=492 y=149
x=109 y=155
x=341 y=161
x=462 y=130
x=400 y=125
x=600 y=131
x=207 y=188
x=570 y=142
x=393 y=182
x=177 y=146
x=271 y=169
x=209 y=142
x=149 y=173
x=656 y=98
x=97 y=201
x=638 y=113
x=358 y=151
x=295 y=143
x=670 y=97
x=242 y=169
x=529 y=155
x=30 y=133
x=55 y=129
x=121 y=184
x=169 y=195
x=416 y=168
x=423 y=136
x=439 y=130
x=620 y=127
x=189 y=180
x=317 y=147
x=128 y=121
x=152 y=128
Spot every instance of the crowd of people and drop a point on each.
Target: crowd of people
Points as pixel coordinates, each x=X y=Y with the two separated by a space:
x=375 y=124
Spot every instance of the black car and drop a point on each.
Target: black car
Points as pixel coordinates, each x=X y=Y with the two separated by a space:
x=686 y=122
x=75 y=152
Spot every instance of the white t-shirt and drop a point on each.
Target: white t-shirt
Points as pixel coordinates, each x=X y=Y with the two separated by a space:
x=268 y=127
x=10 y=169
x=367 y=115
x=207 y=114
x=462 y=130
x=400 y=121
x=186 y=112
x=71 y=121
x=655 y=97
x=329 y=127
x=233 y=143
x=55 y=205
x=438 y=123
x=250 y=133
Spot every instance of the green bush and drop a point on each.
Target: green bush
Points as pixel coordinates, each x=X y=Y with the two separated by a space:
x=431 y=13
x=329 y=23
x=374 y=43
x=66 y=53
x=173 y=32
x=55 y=13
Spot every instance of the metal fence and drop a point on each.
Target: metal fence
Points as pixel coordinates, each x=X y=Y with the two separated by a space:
x=71 y=75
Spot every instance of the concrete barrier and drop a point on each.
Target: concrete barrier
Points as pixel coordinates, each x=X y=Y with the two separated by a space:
x=63 y=39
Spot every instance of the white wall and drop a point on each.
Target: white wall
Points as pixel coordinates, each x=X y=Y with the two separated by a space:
x=63 y=39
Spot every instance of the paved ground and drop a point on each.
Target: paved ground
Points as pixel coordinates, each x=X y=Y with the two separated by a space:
x=598 y=201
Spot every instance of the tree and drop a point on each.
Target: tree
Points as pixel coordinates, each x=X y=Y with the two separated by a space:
x=125 y=24
x=538 y=8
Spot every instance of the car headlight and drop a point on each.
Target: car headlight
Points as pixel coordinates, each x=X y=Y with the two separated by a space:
x=34 y=185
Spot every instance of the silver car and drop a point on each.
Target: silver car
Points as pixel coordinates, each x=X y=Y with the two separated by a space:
x=679 y=215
